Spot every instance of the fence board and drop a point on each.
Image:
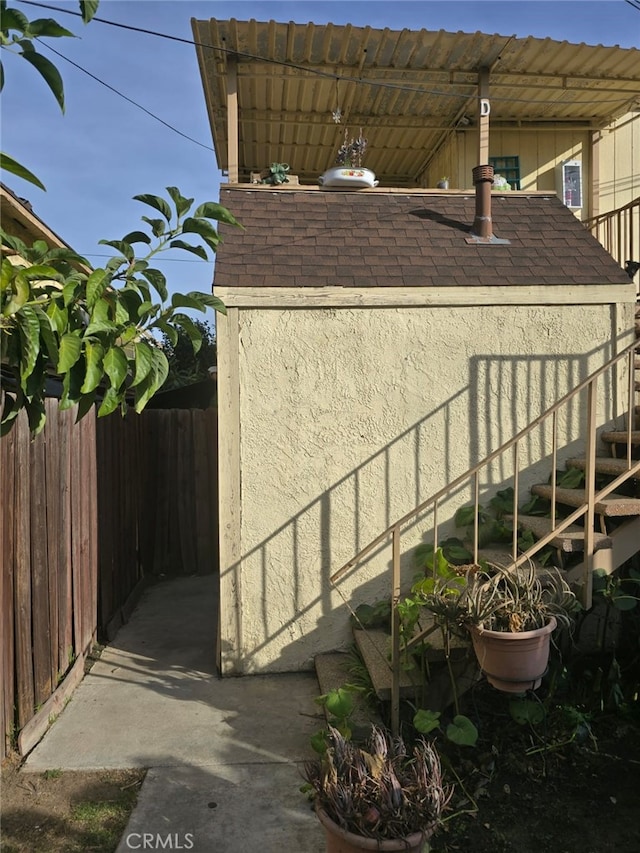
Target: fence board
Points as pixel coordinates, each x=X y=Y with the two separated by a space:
x=7 y=541
x=61 y=491
x=53 y=532
x=22 y=584
x=41 y=636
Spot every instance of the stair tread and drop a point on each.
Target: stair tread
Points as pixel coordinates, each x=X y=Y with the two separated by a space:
x=570 y=540
x=375 y=646
x=621 y=436
x=604 y=464
x=613 y=505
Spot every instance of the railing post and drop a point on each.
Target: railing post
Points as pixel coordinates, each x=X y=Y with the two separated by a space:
x=590 y=490
x=395 y=634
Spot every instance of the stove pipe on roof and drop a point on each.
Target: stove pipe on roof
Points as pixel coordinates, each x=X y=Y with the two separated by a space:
x=483 y=181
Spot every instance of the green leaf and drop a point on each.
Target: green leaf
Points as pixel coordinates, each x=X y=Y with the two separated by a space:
x=169 y=331
x=426 y=721
x=191 y=330
x=47 y=335
x=200 y=251
x=20 y=293
x=101 y=327
x=36 y=414
x=462 y=731
x=71 y=384
x=122 y=247
x=338 y=702
x=8 y=164
x=182 y=204
x=110 y=402
x=209 y=300
x=319 y=741
x=96 y=285
x=93 y=355
x=525 y=711
x=116 y=366
x=183 y=300
x=157 y=225
x=158 y=281
x=49 y=73
x=153 y=381
x=58 y=317
x=213 y=210
x=11 y=409
x=156 y=202
x=88 y=8
x=47 y=27
x=13 y=19
x=143 y=362
x=70 y=350
x=136 y=237
x=205 y=229
x=465 y=516
x=29 y=328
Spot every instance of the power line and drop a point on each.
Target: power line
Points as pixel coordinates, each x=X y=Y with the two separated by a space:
x=158 y=260
x=634 y=4
x=126 y=97
x=313 y=71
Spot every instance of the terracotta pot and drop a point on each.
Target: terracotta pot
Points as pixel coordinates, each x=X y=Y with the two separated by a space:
x=341 y=841
x=513 y=663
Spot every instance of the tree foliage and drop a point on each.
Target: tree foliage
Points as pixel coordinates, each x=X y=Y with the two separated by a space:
x=188 y=363
x=98 y=329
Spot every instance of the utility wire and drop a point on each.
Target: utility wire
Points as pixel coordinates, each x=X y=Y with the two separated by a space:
x=126 y=97
x=313 y=71
x=634 y=4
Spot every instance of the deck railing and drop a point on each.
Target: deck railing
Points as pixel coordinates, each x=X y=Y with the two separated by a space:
x=619 y=232
x=471 y=479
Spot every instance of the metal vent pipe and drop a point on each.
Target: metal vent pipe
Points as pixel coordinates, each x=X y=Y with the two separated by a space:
x=483 y=181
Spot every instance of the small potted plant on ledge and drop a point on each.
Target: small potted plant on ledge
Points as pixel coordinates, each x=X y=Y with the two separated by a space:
x=510 y=615
x=349 y=173
x=378 y=798
x=443 y=183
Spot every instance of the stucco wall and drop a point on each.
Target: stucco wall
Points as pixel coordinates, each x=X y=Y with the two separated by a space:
x=349 y=417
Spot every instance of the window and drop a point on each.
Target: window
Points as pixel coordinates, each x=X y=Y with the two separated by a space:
x=509 y=168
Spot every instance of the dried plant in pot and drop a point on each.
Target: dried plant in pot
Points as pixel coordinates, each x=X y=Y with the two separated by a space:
x=381 y=797
x=348 y=172
x=510 y=615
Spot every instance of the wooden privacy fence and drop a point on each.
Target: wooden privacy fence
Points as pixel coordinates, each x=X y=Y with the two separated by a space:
x=87 y=512
x=49 y=547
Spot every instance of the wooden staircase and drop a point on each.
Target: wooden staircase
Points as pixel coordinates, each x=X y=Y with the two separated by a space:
x=596 y=527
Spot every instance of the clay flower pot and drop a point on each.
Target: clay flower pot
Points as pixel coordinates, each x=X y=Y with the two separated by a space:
x=513 y=663
x=341 y=841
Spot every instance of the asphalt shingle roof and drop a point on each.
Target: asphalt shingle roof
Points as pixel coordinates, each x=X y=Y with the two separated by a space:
x=302 y=238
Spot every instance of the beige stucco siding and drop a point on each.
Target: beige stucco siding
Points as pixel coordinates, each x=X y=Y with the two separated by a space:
x=346 y=419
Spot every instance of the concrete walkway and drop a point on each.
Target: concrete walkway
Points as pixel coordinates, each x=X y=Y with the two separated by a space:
x=223 y=754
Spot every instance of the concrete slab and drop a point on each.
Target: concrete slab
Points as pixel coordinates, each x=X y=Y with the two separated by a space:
x=154 y=700
x=224 y=809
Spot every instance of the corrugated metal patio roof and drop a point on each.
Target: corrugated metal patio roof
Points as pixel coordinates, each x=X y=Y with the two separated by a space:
x=407 y=89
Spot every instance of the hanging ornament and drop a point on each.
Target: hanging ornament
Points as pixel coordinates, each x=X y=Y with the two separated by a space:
x=337 y=113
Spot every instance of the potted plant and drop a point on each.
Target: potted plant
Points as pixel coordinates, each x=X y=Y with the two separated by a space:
x=378 y=798
x=349 y=173
x=443 y=183
x=510 y=615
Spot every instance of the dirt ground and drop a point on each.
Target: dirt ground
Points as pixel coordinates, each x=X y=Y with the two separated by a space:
x=538 y=793
x=65 y=811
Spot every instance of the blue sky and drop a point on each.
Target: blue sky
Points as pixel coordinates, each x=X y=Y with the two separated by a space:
x=104 y=150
